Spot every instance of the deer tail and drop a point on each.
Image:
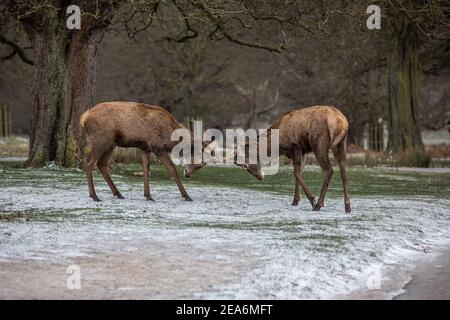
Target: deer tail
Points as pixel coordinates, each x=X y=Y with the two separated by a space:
x=83 y=119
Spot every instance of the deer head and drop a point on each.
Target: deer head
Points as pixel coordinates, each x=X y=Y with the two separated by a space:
x=189 y=169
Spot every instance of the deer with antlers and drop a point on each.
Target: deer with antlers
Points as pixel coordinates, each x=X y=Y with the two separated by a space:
x=129 y=124
x=315 y=129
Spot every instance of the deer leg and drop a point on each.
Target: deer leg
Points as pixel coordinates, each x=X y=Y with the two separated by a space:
x=89 y=167
x=307 y=192
x=299 y=160
x=167 y=162
x=145 y=166
x=297 y=190
x=92 y=159
x=102 y=165
x=322 y=157
x=340 y=154
x=297 y=166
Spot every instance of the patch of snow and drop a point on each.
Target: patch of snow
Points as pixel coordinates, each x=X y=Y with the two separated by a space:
x=294 y=252
x=418 y=170
x=13 y=159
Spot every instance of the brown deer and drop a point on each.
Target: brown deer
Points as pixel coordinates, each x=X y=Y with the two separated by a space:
x=317 y=129
x=129 y=124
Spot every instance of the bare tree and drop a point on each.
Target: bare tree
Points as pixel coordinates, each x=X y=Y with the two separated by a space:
x=64 y=63
x=410 y=24
x=185 y=73
x=260 y=100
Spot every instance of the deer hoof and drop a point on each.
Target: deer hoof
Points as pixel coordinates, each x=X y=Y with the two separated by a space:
x=119 y=196
x=317 y=207
x=347 y=208
x=149 y=198
x=95 y=198
x=313 y=202
x=187 y=198
x=294 y=203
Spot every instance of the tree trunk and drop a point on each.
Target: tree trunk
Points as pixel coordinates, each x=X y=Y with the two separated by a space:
x=81 y=67
x=63 y=87
x=404 y=129
x=48 y=89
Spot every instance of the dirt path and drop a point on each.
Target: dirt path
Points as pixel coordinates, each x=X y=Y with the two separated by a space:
x=175 y=273
x=430 y=280
x=164 y=273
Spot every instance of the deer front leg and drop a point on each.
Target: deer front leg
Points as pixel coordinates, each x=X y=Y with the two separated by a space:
x=297 y=167
x=296 y=192
x=167 y=162
x=145 y=166
x=299 y=160
x=324 y=162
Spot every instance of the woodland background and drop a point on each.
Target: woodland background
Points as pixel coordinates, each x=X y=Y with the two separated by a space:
x=232 y=63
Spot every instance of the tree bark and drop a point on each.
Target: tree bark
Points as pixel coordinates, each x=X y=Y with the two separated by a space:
x=81 y=67
x=63 y=86
x=403 y=124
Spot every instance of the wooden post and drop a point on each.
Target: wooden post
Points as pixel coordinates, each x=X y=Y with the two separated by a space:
x=376 y=136
x=5 y=121
x=1 y=121
x=8 y=122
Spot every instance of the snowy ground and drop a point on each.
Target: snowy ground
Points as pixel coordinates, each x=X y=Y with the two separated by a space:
x=227 y=243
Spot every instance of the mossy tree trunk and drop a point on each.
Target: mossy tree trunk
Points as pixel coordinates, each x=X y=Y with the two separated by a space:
x=80 y=85
x=404 y=128
x=63 y=84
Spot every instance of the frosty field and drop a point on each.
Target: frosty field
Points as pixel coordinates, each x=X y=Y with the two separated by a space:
x=239 y=238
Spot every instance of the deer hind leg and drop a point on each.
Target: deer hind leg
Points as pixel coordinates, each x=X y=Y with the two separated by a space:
x=92 y=159
x=167 y=162
x=340 y=154
x=321 y=153
x=299 y=161
x=102 y=165
x=145 y=166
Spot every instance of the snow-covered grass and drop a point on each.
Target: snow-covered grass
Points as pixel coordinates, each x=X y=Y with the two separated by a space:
x=242 y=233
x=13 y=147
x=436 y=137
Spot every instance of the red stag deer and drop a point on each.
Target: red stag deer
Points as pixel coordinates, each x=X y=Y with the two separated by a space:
x=317 y=129
x=129 y=124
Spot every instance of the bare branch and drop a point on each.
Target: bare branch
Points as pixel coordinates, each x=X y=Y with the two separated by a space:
x=17 y=50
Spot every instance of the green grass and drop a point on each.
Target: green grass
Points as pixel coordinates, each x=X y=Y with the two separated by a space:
x=363 y=182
